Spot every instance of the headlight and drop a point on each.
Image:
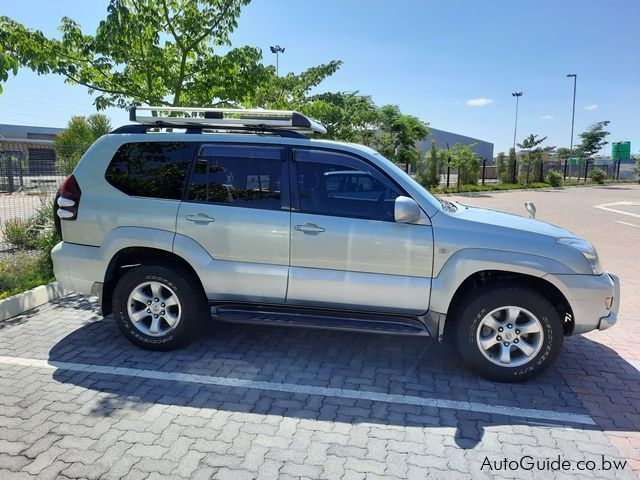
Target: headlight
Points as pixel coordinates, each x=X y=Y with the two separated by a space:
x=586 y=249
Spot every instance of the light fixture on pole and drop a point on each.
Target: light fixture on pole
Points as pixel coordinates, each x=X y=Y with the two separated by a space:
x=515 y=130
x=573 y=116
x=277 y=49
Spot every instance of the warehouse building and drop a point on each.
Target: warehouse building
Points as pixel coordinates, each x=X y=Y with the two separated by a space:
x=445 y=140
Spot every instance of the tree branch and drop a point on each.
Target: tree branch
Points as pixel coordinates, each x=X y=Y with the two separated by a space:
x=178 y=39
x=210 y=30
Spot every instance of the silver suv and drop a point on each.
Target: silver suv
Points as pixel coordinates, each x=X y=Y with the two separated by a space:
x=240 y=216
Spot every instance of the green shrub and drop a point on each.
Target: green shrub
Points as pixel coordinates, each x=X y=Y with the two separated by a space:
x=554 y=178
x=46 y=242
x=21 y=271
x=19 y=233
x=31 y=265
x=598 y=175
x=26 y=234
x=43 y=219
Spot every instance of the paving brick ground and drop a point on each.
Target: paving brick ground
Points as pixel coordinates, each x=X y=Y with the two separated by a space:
x=67 y=423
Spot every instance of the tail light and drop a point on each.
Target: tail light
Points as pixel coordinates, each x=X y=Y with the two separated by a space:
x=69 y=199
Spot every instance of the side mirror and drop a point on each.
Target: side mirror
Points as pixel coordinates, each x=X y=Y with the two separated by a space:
x=406 y=210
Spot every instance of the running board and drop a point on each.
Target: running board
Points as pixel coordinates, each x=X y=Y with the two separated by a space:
x=318 y=318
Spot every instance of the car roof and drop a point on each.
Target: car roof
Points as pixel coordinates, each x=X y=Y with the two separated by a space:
x=246 y=138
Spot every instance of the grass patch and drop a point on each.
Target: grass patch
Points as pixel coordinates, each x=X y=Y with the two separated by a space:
x=22 y=271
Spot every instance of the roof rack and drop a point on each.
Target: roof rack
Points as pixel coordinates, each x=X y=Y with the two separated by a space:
x=226 y=118
x=197 y=129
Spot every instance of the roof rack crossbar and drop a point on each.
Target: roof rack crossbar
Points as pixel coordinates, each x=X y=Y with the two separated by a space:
x=226 y=118
x=198 y=129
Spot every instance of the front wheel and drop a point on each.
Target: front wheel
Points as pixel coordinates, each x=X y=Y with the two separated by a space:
x=158 y=308
x=509 y=334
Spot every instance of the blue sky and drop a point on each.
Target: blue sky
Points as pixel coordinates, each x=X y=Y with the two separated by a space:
x=452 y=63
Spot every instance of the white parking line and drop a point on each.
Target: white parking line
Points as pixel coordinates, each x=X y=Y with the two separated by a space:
x=525 y=413
x=627 y=223
x=606 y=206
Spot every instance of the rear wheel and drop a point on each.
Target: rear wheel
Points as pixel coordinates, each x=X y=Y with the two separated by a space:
x=158 y=308
x=509 y=334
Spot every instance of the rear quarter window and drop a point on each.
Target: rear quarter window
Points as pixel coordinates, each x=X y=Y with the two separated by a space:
x=151 y=169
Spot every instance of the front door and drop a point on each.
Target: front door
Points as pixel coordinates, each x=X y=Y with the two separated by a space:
x=346 y=249
x=236 y=209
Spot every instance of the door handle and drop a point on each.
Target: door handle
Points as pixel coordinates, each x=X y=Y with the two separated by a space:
x=200 y=217
x=309 y=228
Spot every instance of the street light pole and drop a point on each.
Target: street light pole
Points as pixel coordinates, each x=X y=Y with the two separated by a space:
x=515 y=130
x=573 y=115
x=277 y=49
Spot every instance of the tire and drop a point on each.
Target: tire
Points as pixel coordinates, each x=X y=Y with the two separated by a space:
x=185 y=301
x=478 y=325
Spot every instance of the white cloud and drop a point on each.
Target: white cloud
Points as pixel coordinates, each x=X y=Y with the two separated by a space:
x=593 y=106
x=547 y=117
x=479 y=102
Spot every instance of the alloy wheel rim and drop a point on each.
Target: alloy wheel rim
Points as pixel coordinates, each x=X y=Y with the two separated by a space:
x=154 y=309
x=510 y=336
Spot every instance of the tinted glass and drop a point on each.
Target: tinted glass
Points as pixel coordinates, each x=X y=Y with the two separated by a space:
x=151 y=169
x=238 y=175
x=340 y=185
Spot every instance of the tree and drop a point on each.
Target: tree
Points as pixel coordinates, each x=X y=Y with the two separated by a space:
x=428 y=171
x=159 y=52
x=76 y=139
x=290 y=91
x=563 y=154
x=467 y=162
x=592 y=140
x=400 y=133
x=502 y=168
x=7 y=64
x=534 y=154
x=348 y=116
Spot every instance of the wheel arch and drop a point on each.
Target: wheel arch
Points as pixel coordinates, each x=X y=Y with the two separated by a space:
x=132 y=257
x=485 y=278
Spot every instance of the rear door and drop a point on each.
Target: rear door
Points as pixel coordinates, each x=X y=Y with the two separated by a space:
x=346 y=249
x=238 y=211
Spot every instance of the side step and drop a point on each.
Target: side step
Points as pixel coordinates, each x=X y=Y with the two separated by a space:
x=318 y=318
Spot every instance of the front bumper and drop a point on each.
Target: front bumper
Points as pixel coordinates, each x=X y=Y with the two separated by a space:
x=587 y=295
x=612 y=318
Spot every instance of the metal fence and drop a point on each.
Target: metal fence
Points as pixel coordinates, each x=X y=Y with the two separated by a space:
x=29 y=179
x=570 y=172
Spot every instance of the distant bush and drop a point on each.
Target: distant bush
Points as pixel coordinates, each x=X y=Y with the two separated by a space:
x=428 y=171
x=598 y=175
x=554 y=178
x=19 y=233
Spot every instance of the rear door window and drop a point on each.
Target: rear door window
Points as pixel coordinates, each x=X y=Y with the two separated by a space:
x=247 y=176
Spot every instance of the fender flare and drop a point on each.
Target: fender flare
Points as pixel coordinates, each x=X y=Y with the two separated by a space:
x=467 y=262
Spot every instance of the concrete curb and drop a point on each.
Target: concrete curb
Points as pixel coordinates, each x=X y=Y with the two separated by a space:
x=20 y=303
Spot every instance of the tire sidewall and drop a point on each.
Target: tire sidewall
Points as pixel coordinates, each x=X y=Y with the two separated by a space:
x=539 y=306
x=177 y=337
